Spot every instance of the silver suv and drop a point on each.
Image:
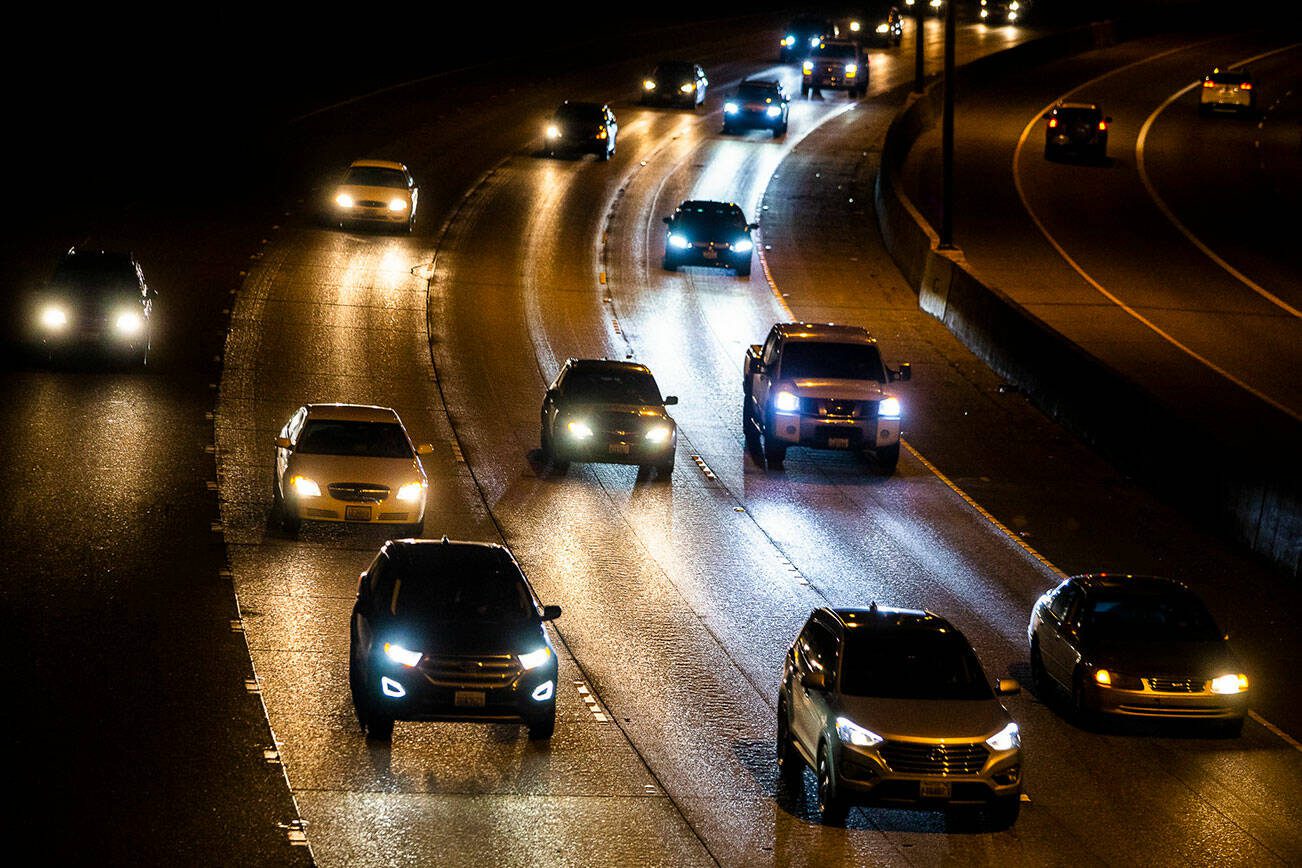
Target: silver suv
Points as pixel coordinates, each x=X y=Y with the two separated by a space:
x=891 y=707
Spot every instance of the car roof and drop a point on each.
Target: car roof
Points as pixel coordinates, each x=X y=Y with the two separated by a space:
x=377 y=164
x=352 y=413
x=830 y=332
x=394 y=545
x=761 y=82
x=1144 y=584
x=708 y=206
x=875 y=617
x=581 y=105
x=606 y=365
x=1077 y=106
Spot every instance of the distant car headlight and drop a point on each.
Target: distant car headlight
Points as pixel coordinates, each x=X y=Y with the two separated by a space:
x=579 y=430
x=397 y=204
x=883 y=28
x=129 y=322
x=658 y=434
x=553 y=131
x=1230 y=684
x=773 y=111
x=1008 y=738
x=730 y=108
x=789 y=41
x=851 y=69
x=854 y=26
x=1012 y=16
x=399 y=654
x=343 y=200
x=984 y=13
x=745 y=245
x=807 y=66
x=852 y=733
x=534 y=659
x=648 y=85
x=687 y=88
x=813 y=41
x=411 y=492
x=679 y=241
x=786 y=402
x=54 y=317
x=305 y=487
x=889 y=408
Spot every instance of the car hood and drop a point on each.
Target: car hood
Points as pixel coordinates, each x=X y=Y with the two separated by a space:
x=946 y=720
x=571 y=409
x=325 y=469
x=1181 y=659
x=381 y=194
x=859 y=390
x=462 y=637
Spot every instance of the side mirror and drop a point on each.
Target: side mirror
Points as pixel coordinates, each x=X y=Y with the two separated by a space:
x=364 y=589
x=814 y=680
x=424 y=448
x=666 y=220
x=283 y=443
x=670 y=400
x=551 y=613
x=1007 y=687
x=903 y=373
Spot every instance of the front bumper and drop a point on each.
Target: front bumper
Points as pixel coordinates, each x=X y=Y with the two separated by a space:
x=327 y=508
x=572 y=145
x=425 y=697
x=722 y=257
x=744 y=119
x=1164 y=705
x=606 y=448
x=866 y=775
x=373 y=214
x=833 y=81
x=817 y=432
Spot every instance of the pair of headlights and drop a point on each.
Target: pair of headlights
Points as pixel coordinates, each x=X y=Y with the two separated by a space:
x=409 y=658
x=682 y=242
x=397 y=204
x=1224 y=685
x=305 y=487
x=127 y=323
x=581 y=430
x=786 y=402
x=848 y=731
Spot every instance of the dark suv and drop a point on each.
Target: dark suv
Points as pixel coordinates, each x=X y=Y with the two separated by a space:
x=582 y=128
x=445 y=630
x=761 y=103
x=96 y=299
x=891 y=707
x=1076 y=129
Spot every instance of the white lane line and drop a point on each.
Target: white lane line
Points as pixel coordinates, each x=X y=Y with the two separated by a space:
x=1288 y=739
x=1170 y=215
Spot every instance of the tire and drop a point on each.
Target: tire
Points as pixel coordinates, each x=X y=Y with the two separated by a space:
x=743 y=270
x=748 y=429
x=791 y=766
x=1080 y=710
x=1039 y=677
x=774 y=453
x=887 y=457
x=804 y=90
x=1002 y=813
x=831 y=803
x=290 y=524
x=665 y=469
x=559 y=468
x=542 y=728
x=780 y=130
x=357 y=687
x=379 y=727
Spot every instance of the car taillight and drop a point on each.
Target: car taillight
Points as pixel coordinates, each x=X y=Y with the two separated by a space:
x=1103 y=125
x=1207 y=82
x=1053 y=122
x=1247 y=85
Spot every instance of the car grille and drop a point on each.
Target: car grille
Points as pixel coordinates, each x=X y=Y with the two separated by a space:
x=838 y=408
x=717 y=245
x=1175 y=685
x=358 y=492
x=934 y=759
x=370 y=203
x=476 y=672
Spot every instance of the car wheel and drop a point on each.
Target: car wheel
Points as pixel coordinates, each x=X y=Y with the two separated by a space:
x=665 y=469
x=887 y=457
x=1002 y=813
x=1080 y=709
x=748 y=429
x=774 y=452
x=357 y=687
x=791 y=766
x=831 y=804
x=542 y=728
x=289 y=523
x=742 y=270
x=804 y=90
x=780 y=130
x=379 y=727
x=1039 y=678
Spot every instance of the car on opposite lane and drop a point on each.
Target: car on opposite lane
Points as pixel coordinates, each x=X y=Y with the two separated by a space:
x=705 y=232
x=450 y=630
x=998 y=12
x=582 y=128
x=1137 y=648
x=1229 y=90
x=675 y=83
x=757 y=104
x=376 y=192
x=96 y=300
x=352 y=463
x=835 y=64
x=891 y=707
x=603 y=410
x=1076 y=129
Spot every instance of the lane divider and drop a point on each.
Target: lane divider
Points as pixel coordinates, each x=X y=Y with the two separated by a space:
x=591 y=702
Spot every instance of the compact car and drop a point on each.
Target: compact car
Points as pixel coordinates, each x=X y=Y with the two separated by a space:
x=997 y=12
x=582 y=128
x=881 y=26
x=609 y=411
x=891 y=707
x=350 y=463
x=1076 y=129
x=675 y=83
x=379 y=192
x=96 y=300
x=450 y=630
x=757 y=104
x=1136 y=647
x=1228 y=90
x=705 y=232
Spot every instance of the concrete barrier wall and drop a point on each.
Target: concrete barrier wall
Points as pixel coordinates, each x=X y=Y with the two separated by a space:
x=1242 y=481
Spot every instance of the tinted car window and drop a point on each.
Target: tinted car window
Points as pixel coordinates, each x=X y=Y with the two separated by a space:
x=1062 y=600
x=1147 y=618
x=610 y=387
x=374 y=176
x=840 y=52
x=756 y=91
x=580 y=114
x=911 y=664
x=683 y=71
x=365 y=439
x=806 y=360
x=1229 y=77
x=455 y=584
x=96 y=273
x=1080 y=116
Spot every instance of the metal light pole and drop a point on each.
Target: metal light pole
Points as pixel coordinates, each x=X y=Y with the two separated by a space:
x=947 y=135
x=918 y=77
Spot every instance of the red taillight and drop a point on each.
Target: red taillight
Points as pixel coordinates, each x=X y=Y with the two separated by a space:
x=1207 y=82
x=1247 y=85
x=1103 y=125
x=1053 y=122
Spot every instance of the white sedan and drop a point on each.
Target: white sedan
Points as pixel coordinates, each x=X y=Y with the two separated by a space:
x=348 y=463
x=376 y=191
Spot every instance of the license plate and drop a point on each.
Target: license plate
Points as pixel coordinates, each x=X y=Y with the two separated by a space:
x=708 y=253
x=618 y=448
x=468 y=699
x=357 y=513
x=838 y=442
x=934 y=789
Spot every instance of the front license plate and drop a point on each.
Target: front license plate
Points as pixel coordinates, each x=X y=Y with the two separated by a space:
x=838 y=442
x=468 y=699
x=708 y=253
x=934 y=789
x=618 y=448
x=357 y=513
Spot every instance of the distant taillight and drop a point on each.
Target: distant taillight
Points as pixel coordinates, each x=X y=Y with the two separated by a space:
x=1053 y=122
x=1247 y=85
x=1103 y=125
x=1207 y=82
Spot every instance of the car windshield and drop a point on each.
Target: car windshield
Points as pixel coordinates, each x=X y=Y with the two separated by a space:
x=361 y=439
x=1079 y=115
x=611 y=387
x=675 y=71
x=811 y=26
x=456 y=583
x=835 y=50
x=375 y=176
x=1229 y=77
x=1156 y=617
x=579 y=113
x=94 y=274
x=756 y=91
x=912 y=664
x=812 y=360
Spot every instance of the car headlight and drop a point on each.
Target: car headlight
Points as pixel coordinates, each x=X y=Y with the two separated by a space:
x=807 y=66
x=1012 y=16
x=534 y=659
x=744 y=245
x=305 y=487
x=789 y=41
x=129 y=322
x=786 y=402
x=658 y=434
x=854 y=26
x=852 y=733
x=851 y=69
x=889 y=408
x=773 y=111
x=648 y=85
x=679 y=241
x=343 y=200
x=687 y=88
x=553 y=131
x=579 y=430
x=54 y=317
x=1230 y=684
x=411 y=492
x=883 y=28
x=397 y=204
x=730 y=108
x=399 y=654
x=1008 y=738
x=814 y=40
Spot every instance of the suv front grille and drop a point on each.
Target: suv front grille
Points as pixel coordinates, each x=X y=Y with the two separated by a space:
x=473 y=671
x=358 y=492
x=1175 y=685
x=370 y=203
x=838 y=408
x=934 y=759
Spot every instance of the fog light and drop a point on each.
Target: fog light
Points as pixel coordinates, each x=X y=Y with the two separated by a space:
x=392 y=688
x=544 y=691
